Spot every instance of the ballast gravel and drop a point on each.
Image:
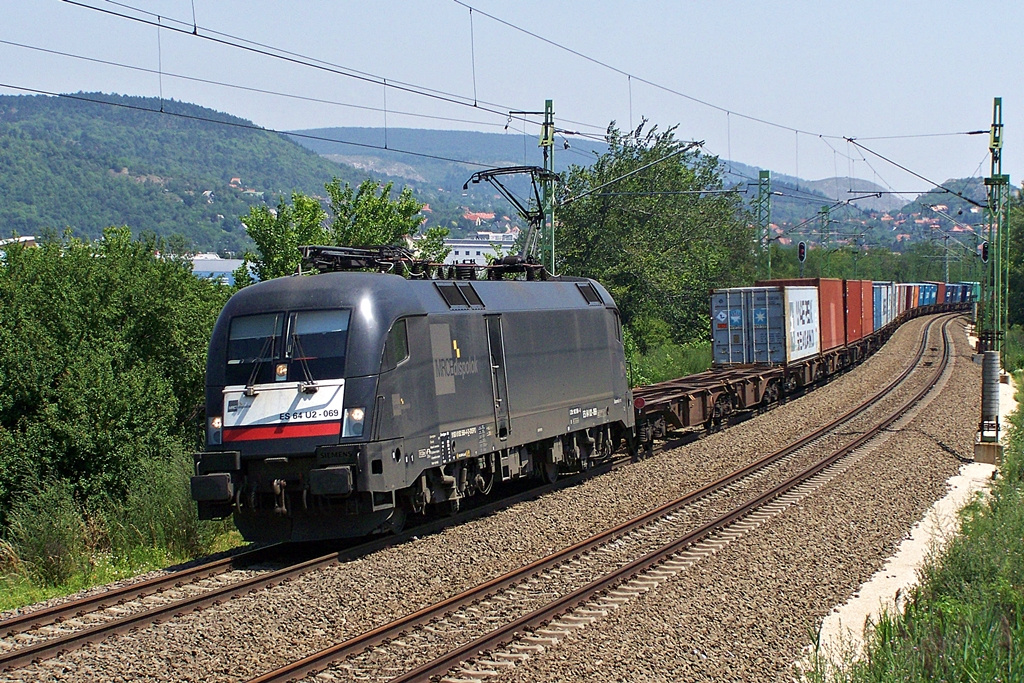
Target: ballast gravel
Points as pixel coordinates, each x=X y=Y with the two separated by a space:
x=742 y=614
x=749 y=611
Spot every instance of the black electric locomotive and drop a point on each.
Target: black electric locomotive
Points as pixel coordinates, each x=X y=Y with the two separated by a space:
x=339 y=403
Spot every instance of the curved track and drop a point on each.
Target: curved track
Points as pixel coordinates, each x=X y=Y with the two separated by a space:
x=581 y=583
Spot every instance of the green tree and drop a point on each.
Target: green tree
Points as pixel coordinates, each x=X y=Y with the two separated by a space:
x=368 y=216
x=358 y=218
x=102 y=360
x=659 y=233
x=279 y=234
x=432 y=247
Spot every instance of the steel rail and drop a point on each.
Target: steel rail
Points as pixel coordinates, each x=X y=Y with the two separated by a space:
x=92 y=603
x=319 y=660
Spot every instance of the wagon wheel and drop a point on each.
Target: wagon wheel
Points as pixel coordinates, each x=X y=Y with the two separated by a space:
x=719 y=414
x=772 y=396
x=550 y=470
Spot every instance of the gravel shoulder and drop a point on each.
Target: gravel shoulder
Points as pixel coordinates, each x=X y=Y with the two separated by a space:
x=744 y=614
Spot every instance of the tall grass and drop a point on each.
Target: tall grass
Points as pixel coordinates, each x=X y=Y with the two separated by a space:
x=669 y=361
x=47 y=534
x=965 y=621
x=56 y=546
x=158 y=513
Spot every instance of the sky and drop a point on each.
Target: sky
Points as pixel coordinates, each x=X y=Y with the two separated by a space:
x=778 y=85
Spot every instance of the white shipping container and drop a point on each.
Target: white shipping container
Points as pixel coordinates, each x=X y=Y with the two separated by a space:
x=885 y=303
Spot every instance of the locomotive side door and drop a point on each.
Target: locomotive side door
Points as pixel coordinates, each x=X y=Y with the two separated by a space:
x=499 y=381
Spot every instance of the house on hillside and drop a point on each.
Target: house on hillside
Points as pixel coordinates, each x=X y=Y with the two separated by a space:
x=25 y=241
x=478 y=217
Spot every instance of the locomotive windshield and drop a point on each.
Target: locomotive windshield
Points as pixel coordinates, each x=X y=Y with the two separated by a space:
x=297 y=346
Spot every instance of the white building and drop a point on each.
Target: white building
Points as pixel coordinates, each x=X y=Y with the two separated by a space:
x=476 y=249
x=213 y=267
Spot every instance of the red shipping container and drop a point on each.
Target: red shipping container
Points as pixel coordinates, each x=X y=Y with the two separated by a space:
x=868 y=297
x=940 y=297
x=831 y=311
x=860 y=309
x=854 y=307
x=911 y=297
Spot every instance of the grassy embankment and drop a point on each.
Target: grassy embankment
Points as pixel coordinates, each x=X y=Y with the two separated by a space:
x=965 y=621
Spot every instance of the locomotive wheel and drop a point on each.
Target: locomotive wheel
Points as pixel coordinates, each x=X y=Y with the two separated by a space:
x=396 y=522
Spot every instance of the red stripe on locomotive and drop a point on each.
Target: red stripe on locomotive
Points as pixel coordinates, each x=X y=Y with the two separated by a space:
x=289 y=431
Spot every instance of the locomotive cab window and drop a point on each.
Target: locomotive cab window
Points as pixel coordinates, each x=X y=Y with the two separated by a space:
x=253 y=341
x=316 y=341
x=396 y=348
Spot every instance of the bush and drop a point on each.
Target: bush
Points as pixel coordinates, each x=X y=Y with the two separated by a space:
x=1013 y=350
x=671 y=361
x=47 y=532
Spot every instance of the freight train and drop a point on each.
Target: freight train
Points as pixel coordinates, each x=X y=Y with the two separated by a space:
x=341 y=403
x=784 y=336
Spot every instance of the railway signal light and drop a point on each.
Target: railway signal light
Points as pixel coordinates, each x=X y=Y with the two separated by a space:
x=801 y=251
x=984 y=252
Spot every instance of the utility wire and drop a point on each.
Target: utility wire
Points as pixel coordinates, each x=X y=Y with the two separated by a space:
x=245 y=88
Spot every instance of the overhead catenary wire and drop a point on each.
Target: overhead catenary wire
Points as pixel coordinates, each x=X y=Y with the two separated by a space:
x=916 y=175
x=192 y=28
x=729 y=112
x=681 y=150
x=295 y=58
x=632 y=76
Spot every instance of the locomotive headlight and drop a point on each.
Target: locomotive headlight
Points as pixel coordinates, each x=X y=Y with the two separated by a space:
x=213 y=430
x=353 y=424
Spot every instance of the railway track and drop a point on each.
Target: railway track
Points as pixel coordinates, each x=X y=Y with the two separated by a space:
x=536 y=605
x=46 y=633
